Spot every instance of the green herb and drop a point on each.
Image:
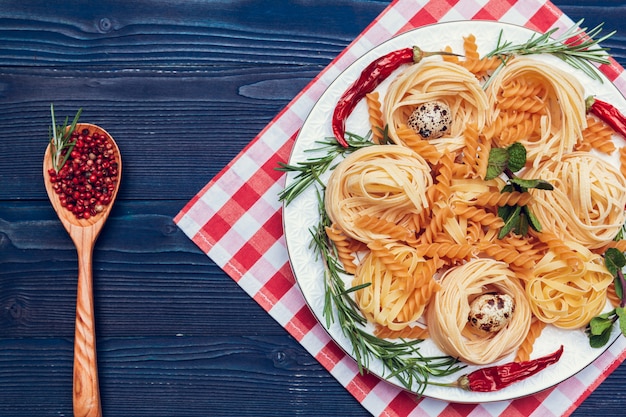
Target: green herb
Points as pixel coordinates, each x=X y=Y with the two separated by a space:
x=599 y=328
x=575 y=46
x=400 y=359
x=60 y=139
x=508 y=161
x=311 y=170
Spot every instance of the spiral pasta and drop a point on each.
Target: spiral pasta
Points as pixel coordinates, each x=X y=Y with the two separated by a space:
x=401 y=284
x=598 y=135
x=375 y=116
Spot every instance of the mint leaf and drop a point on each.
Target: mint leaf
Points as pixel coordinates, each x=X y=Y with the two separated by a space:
x=522 y=226
x=619 y=289
x=614 y=260
x=511 y=221
x=517 y=156
x=597 y=341
x=532 y=183
x=621 y=313
x=599 y=325
x=532 y=219
x=599 y=329
x=497 y=162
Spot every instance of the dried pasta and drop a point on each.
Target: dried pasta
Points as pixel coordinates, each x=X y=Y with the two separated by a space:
x=375 y=116
x=424 y=221
x=385 y=181
x=598 y=135
x=447 y=315
x=436 y=80
x=344 y=248
x=526 y=348
x=588 y=200
x=401 y=283
x=409 y=332
x=562 y=126
x=622 y=160
x=565 y=296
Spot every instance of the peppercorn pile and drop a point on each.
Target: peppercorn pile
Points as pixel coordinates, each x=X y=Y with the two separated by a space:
x=88 y=179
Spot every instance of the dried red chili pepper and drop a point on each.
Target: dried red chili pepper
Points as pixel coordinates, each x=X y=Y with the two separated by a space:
x=608 y=114
x=497 y=377
x=375 y=73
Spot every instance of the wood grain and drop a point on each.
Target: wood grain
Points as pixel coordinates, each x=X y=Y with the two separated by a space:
x=183 y=86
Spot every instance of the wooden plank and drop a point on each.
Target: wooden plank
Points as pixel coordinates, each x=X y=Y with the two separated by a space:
x=149 y=278
x=182 y=376
x=183 y=86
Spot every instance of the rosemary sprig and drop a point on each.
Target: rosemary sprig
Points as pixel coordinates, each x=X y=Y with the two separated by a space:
x=576 y=46
x=402 y=360
x=60 y=139
x=310 y=171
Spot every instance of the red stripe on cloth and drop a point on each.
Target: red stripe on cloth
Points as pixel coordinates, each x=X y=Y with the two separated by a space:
x=457 y=410
x=330 y=355
x=219 y=225
x=248 y=255
x=526 y=406
x=362 y=385
x=404 y=403
x=429 y=14
x=494 y=9
x=269 y=168
x=273 y=227
x=247 y=195
x=259 y=243
x=276 y=287
x=301 y=323
x=612 y=71
x=545 y=18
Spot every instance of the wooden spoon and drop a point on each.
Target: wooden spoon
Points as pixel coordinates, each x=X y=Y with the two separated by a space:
x=84 y=232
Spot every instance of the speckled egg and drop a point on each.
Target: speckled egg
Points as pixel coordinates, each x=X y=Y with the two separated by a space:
x=431 y=120
x=491 y=312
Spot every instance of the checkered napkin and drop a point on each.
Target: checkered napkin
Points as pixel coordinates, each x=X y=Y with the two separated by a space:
x=236 y=220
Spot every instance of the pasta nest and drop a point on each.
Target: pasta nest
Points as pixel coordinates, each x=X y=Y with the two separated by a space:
x=383 y=182
x=448 y=311
x=547 y=97
x=433 y=80
x=588 y=200
x=568 y=296
x=401 y=284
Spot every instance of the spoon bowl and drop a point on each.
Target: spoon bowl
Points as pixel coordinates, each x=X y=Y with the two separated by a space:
x=84 y=233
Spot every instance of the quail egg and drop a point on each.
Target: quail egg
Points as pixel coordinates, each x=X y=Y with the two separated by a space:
x=491 y=312
x=431 y=120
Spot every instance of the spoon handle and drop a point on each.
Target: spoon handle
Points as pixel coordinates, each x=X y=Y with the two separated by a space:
x=86 y=390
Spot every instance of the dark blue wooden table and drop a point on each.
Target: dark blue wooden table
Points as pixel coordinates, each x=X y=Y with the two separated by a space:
x=183 y=86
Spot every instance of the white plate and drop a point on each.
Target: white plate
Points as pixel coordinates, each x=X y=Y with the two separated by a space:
x=302 y=214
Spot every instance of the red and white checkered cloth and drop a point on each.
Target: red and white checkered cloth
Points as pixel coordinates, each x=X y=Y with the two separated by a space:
x=236 y=220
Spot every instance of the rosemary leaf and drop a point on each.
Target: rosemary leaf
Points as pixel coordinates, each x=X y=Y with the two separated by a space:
x=60 y=139
x=310 y=171
x=576 y=46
